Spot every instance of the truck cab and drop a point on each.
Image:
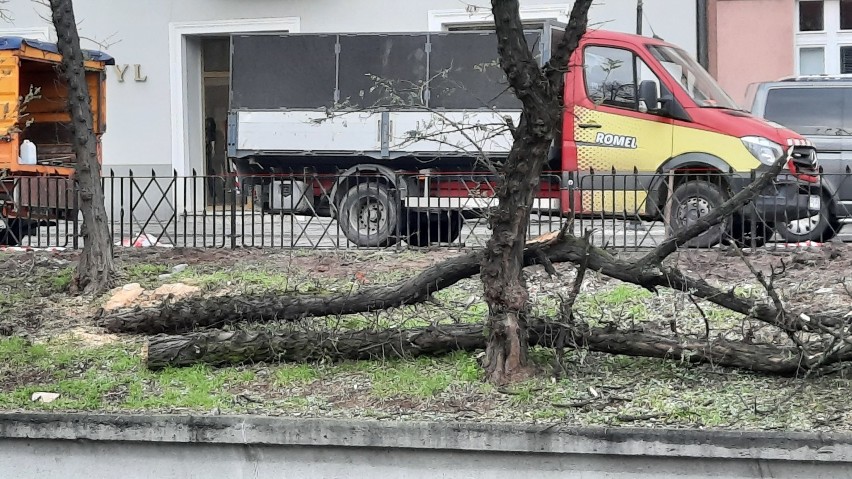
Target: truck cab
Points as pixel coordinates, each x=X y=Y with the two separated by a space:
x=640 y=104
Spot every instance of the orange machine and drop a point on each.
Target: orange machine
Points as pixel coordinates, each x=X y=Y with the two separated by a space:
x=37 y=160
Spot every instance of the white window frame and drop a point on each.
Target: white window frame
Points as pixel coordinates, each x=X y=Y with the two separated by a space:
x=441 y=20
x=798 y=58
x=831 y=38
x=34 y=33
x=178 y=31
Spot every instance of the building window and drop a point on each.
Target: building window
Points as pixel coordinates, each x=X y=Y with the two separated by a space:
x=811 y=16
x=826 y=31
x=812 y=61
x=846 y=14
x=846 y=59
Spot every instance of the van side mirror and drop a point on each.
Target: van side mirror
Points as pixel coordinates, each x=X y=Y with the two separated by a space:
x=648 y=94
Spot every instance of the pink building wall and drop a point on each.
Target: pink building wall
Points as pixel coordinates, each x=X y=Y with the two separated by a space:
x=750 y=41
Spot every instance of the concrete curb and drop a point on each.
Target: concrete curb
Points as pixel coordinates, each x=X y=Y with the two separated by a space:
x=256 y=430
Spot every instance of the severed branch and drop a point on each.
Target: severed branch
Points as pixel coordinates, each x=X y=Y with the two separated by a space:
x=568 y=308
x=703 y=316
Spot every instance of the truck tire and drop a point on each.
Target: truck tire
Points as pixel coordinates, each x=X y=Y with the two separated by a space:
x=820 y=228
x=17 y=230
x=369 y=215
x=425 y=229
x=692 y=200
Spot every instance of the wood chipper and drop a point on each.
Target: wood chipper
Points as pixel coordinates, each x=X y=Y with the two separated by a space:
x=37 y=160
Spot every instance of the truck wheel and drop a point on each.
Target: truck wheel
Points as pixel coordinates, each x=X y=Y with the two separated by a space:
x=425 y=229
x=693 y=200
x=821 y=227
x=369 y=215
x=17 y=230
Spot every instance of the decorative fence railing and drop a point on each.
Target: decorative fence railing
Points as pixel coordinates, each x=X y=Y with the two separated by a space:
x=624 y=210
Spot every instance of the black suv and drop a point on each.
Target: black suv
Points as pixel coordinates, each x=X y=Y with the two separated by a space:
x=820 y=109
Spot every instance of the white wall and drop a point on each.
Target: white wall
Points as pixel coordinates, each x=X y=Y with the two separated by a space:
x=139 y=116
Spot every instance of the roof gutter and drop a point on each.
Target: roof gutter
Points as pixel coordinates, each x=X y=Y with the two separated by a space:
x=702 y=27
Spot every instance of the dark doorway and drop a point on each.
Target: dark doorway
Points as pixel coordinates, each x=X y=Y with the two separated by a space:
x=215 y=87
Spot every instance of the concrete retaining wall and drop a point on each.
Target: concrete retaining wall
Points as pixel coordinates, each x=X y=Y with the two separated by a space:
x=165 y=447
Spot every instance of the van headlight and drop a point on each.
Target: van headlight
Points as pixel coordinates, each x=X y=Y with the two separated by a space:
x=764 y=149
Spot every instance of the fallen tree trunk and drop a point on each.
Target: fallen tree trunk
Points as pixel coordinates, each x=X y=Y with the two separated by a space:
x=229 y=348
x=195 y=312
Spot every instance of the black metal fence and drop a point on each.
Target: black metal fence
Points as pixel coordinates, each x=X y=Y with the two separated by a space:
x=624 y=210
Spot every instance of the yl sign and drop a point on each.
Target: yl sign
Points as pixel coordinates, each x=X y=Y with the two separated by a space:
x=121 y=71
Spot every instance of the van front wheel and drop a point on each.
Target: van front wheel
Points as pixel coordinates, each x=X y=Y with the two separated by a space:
x=694 y=200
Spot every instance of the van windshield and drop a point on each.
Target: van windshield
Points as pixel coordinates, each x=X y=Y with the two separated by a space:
x=693 y=78
x=810 y=110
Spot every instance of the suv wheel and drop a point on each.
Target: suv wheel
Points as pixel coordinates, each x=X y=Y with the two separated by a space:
x=820 y=228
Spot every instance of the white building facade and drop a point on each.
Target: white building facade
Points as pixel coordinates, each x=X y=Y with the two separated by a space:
x=172 y=56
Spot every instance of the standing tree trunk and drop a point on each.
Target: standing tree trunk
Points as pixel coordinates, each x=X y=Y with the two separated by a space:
x=540 y=91
x=95 y=268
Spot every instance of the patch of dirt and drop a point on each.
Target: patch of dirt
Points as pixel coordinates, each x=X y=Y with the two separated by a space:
x=90 y=337
x=346 y=265
x=17 y=377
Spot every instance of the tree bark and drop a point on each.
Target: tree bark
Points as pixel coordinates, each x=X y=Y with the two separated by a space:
x=221 y=348
x=194 y=313
x=225 y=348
x=95 y=267
x=505 y=290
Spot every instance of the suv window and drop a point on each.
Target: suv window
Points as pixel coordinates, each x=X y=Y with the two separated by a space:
x=811 y=111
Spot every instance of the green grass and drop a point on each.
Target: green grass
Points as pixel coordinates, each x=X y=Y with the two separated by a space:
x=424 y=378
x=251 y=278
x=110 y=377
x=295 y=374
x=623 y=293
x=596 y=390
x=62 y=280
x=19 y=352
x=145 y=274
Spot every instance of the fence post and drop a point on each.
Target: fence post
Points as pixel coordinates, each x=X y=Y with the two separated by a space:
x=175 y=207
x=75 y=242
x=233 y=217
x=668 y=207
x=754 y=217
